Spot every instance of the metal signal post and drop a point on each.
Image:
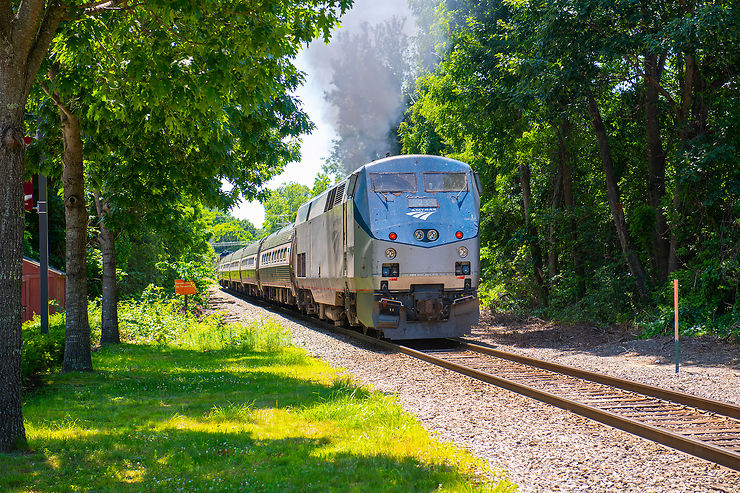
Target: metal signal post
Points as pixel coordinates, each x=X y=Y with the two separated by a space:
x=42 y=209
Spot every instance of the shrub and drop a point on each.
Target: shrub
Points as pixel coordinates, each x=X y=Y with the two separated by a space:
x=42 y=352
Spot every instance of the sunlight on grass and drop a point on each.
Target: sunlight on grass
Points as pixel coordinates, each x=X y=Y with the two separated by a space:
x=234 y=412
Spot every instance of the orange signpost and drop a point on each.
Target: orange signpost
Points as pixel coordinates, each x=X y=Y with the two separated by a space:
x=675 y=321
x=184 y=287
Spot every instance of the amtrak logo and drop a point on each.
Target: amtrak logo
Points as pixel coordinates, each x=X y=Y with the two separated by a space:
x=422 y=214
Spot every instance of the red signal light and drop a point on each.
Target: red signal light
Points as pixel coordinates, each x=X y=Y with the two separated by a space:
x=393 y=236
x=459 y=235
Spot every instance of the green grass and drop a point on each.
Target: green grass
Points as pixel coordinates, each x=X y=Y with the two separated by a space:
x=229 y=411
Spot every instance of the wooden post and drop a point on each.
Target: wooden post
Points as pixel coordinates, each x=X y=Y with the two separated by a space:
x=675 y=311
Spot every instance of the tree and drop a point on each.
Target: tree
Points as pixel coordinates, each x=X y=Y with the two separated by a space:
x=28 y=28
x=626 y=149
x=248 y=101
x=227 y=229
x=282 y=204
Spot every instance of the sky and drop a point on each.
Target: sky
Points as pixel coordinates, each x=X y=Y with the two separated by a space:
x=316 y=146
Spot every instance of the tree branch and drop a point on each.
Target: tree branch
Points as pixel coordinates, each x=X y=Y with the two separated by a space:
x=653 y=82
x=6 y=15
x=95 y=7
x=45 y=34
x=56 y=100
x=172 y=31
x=26 y=24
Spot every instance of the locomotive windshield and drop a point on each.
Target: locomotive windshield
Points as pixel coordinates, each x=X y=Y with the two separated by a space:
x=445 y=182
x=393 y=182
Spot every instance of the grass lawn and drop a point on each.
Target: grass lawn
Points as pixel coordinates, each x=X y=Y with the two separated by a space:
x=167 y=417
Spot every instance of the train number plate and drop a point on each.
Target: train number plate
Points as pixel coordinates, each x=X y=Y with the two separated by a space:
x=423 y=202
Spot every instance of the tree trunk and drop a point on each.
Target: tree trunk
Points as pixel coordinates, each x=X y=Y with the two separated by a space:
x=700 y=112
x=614 y=196
x=77 y=356
x=27 y=29
x=12 y=432
x=524 y=176
x=682 y=122
x=555 y=203
x=109 y=321
x=656 y=171
x=567 y=177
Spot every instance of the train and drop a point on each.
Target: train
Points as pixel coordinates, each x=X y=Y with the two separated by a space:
x=393 y=249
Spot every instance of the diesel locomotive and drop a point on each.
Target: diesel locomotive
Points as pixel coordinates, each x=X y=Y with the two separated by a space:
x=392 y=248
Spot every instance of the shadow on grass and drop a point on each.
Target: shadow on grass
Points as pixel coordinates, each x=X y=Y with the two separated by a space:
x=187 y=461
x=162 y=419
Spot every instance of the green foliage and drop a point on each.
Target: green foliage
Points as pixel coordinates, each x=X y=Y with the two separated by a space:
x=225 y=228
x=42 y=353
x=227 y=417
x=198 y=268
x=512 y=89
x=213 y=334
x=708 y=303
x=282 y=204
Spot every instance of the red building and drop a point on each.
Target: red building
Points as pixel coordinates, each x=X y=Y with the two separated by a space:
x=32 y=289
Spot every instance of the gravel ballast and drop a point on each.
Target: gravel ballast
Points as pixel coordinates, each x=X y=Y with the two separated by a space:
x=542 y=448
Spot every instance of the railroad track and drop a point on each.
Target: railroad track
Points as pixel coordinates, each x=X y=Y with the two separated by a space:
x=701 y=427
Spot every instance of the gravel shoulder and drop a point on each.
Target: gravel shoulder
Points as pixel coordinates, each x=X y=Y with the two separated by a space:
x=543 y=448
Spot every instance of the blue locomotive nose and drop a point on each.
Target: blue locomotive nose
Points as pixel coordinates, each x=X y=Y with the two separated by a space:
x=426 y=204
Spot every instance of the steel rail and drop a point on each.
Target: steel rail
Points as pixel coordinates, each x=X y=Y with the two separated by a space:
x=703 y=450
x=711 y=405
x=697 y=448
x=706 y=451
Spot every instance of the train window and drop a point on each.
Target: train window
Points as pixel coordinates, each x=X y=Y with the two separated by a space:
x=351 y=185
x=302 y=213
x=393 y=182
x=330 y=199
x=317 y=210
x=445 y=182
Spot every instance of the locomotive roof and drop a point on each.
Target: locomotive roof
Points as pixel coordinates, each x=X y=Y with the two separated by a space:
x=410 y=161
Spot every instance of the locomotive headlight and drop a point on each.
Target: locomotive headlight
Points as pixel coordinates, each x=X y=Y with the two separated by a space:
x=390 y=253
x=462 y=251
x=432 y=234
x=419 y=234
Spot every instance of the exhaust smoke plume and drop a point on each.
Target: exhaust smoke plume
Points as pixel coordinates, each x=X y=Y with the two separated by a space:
x=362 y=72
